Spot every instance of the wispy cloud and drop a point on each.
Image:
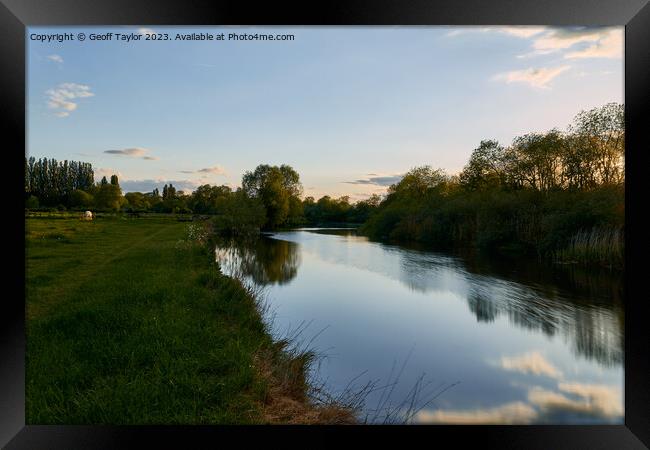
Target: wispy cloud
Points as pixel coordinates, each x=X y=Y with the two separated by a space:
x=378 y=180
x=61 y=97
x=609 y=46
x=589 y=399
x=523 y=31
x=533 y=363
x=150 y=158
x=215 y=170
x=55 y=58
x=535 y=77
x=133 y=152
x=601 y=42
x=507 y=414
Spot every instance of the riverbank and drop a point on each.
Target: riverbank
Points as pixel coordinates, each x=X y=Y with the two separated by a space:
x=128 y=321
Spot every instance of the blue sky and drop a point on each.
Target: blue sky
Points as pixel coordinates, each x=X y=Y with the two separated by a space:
x=351 y=109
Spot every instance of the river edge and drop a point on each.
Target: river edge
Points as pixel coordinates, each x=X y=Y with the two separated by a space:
x=290 y=398
x=128 y=321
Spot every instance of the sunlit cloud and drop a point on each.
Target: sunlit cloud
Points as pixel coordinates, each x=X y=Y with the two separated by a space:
x=100 y=172
x=507 y=414
x=535 y=77
x=601 y=43
x=55 y=58
x=61 y=98
x=592 y=400
x=533 y=363
x=215 y=170
x=133 y=152
x=609 y=46
x=562 y=38
x=378 y=180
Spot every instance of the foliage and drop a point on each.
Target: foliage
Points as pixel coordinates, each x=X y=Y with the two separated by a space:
x=81 y=198
x=53 y=181
x=240 y=214
x=275 y=187
x=31 y=202
x=540 y=195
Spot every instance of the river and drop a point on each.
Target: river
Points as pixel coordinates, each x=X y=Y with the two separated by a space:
x=436 y=338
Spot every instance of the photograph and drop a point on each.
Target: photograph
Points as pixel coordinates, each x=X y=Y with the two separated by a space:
x=325 y=225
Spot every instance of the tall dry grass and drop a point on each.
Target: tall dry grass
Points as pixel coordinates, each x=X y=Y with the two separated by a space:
x=597 y=246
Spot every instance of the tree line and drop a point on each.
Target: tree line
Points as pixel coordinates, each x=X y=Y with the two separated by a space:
x=544 y=193
x=551 y=194
x=52 y=181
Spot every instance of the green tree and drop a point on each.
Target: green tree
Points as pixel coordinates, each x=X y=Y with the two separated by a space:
x=417 y=182
x=32 y=202
x=108 y=196
x=274 y=186
x=486 y=166
x=81 y=198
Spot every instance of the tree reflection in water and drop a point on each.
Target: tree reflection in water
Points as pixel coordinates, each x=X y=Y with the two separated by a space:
x=263 y=260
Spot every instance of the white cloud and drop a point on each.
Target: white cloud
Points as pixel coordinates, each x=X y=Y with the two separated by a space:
x=507 y=414
x=61 y=98
x=532 y=362
x=609 y=46
x=144 y=31
x=55 y=58
x=536 y=77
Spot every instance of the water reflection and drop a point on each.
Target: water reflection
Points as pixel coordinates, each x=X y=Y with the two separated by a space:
x=385 y=298
x=265 y=261
x=584 y=306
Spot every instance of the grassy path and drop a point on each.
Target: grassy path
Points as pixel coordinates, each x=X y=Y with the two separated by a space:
x=126 y=325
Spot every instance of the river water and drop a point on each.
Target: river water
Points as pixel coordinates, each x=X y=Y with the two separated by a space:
x=426 y=337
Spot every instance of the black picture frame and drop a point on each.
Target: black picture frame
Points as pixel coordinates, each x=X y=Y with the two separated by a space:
x=16 y=15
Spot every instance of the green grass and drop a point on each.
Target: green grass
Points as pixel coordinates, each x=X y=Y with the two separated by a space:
x=127 y=326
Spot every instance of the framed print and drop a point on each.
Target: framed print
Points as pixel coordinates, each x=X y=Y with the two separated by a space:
x=381 y=219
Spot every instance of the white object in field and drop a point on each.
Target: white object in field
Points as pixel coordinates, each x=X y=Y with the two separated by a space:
x=88 y=215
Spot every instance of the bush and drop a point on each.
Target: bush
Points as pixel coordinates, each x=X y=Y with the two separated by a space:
x=31 y=202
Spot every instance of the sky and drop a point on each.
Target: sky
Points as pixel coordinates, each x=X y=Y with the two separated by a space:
x=350 y=108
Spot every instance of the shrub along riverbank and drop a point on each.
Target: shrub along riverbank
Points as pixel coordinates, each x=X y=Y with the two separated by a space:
x=129 y=321
x=564 y=226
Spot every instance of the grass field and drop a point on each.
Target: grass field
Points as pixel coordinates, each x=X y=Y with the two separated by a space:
x=128 y=322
